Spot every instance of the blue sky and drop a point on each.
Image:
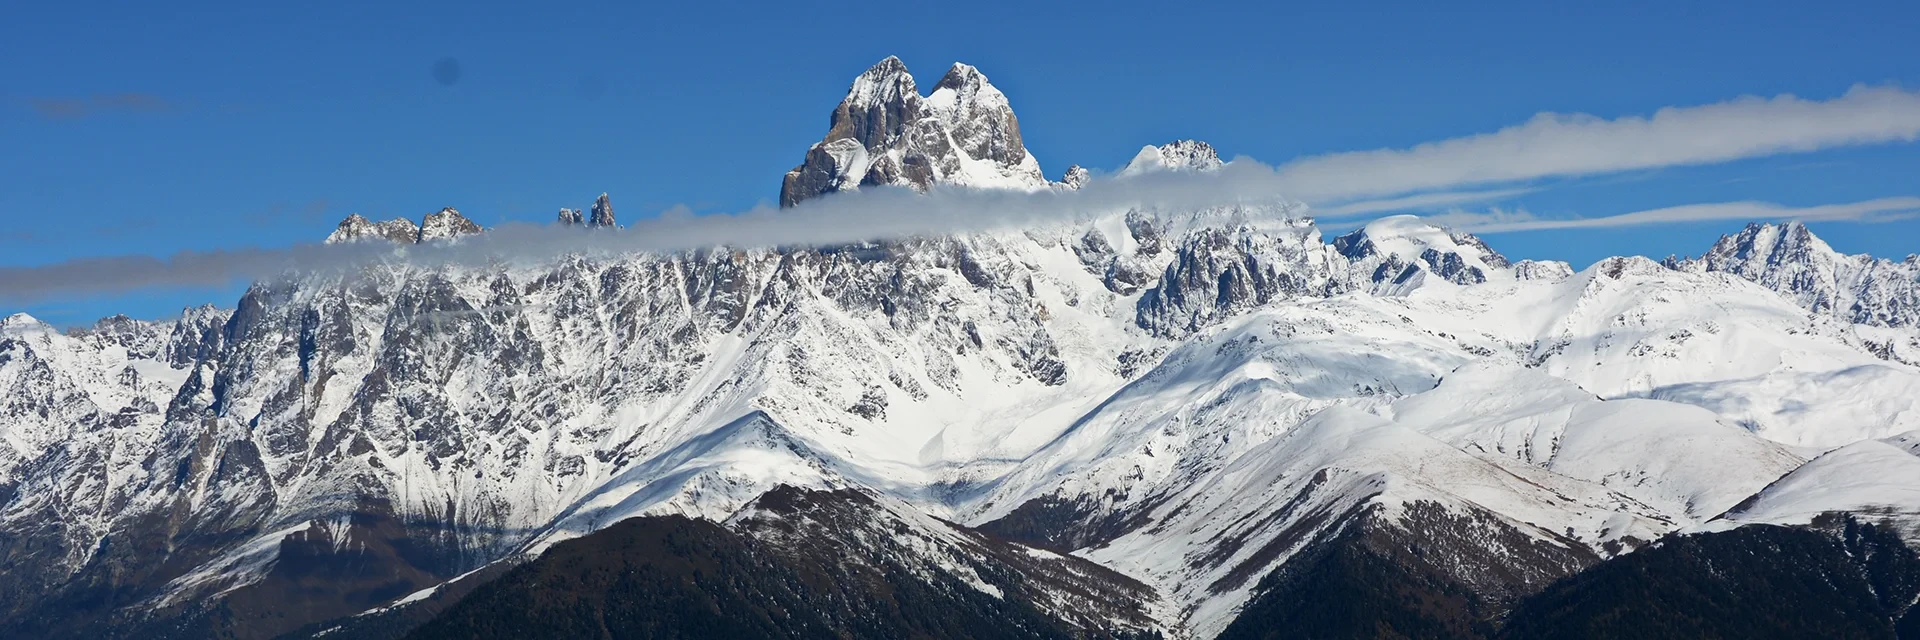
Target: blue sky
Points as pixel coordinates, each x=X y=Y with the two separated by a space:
x=153 y=130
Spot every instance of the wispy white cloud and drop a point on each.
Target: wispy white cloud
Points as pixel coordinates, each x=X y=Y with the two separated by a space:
x=1479 y=168
x=1565 y=145
x=69 y=108
x=1417 y=202
x=1501 y=221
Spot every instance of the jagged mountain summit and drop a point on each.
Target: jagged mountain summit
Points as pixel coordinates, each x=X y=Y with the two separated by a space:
x=441 y=225
x=1183 y=423
x=356 y=228
x=1789 y=259
x=885 y=133
x=1179 y=155
x=446 y=224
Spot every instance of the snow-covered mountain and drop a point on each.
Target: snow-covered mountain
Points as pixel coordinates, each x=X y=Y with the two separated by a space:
x=1399 y=254
x=356 y=228
x=1181 y=415
x=1789 y=259
x=443 y=224
x=1179 y=155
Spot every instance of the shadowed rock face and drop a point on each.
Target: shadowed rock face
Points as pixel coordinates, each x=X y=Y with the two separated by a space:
x=884 y=133
x=978 y=117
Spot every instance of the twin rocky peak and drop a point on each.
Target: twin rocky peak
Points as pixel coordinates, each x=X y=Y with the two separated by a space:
x=885 y=133
x=448 y=223
x=964 y=133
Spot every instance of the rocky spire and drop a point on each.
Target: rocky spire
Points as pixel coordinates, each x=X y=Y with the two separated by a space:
x=447 y=223
x=602 y=213
x=878 y=107
x=571 y=217
x=885 y=133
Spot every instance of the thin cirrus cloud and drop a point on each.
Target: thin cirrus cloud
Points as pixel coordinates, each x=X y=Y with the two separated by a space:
x=1416 y=202
x=1504 y=221
x=1449 y=173
x=72 y=108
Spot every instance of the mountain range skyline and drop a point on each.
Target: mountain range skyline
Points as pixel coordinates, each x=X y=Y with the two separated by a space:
x=951 y=387
x=230 y=156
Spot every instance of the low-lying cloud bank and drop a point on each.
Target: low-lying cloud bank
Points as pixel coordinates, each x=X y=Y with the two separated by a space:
x=1478 y=168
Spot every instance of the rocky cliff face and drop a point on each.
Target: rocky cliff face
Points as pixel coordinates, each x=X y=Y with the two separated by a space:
x=885 y=133
x=602 y=213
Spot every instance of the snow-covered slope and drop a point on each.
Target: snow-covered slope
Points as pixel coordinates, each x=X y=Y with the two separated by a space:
x=1875 y=480
x=1814 y=409
x=1398 y=254
x=1680 y=458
